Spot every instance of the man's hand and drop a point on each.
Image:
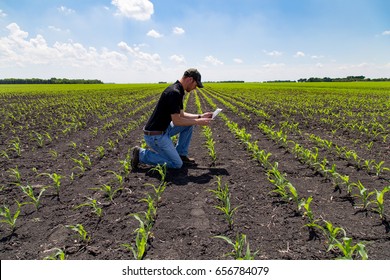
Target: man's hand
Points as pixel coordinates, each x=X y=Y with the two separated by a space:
x=207 y=115
x=203 y=121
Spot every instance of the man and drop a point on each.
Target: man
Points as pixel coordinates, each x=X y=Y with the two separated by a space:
x=167 y=120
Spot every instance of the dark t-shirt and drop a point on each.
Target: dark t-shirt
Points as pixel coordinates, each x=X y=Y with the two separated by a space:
x=171 y=102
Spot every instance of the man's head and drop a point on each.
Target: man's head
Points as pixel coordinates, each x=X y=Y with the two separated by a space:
x=196 y=77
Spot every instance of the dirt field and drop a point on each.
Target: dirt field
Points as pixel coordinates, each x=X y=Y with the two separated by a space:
x=187 y=219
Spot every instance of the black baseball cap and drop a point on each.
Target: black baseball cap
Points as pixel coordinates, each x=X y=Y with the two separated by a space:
x=194 y=73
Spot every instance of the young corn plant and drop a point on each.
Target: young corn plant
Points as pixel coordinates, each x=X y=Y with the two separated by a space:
x=221 y=192
x=379 y=168
x=80 y=165
x=223 y=195
x=151 y=213
x=126 y=165
x=241 y=250
x=16 y=146
x=10 y=218
x=364 y=195
x=158 y=191
x=293 y=194
x=109 y=191
x=15 y=175
x=58 y=254
x=35 y=200
x=305 y=203
x=227 y=210
x=279 y=181
x=161 y=170
x=86 y=158
x=93 y=204
x=141 y=240
x=101 y=152
x=332 y=233
x=350 y=252
x=210 y=144
x=83 y=234
x=379 y=201
x=118 y=177
x=56 y=178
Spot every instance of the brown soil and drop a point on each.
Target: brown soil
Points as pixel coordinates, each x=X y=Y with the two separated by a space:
x=187 y=219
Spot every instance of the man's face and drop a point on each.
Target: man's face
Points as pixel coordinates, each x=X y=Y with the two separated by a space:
x=192 y=84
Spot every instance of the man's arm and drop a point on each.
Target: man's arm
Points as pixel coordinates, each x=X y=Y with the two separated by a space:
x=196 y=116
x=187 y=119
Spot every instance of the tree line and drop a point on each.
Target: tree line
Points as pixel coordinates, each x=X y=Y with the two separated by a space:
x=48 y=81
x=346 y=79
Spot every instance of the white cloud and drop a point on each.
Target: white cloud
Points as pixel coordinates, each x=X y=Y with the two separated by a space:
x=179 y=59
x=319 y=65
x=178 y=31
x=274 y=65
x=153 y=33
x=273 y=53
x=18 y=49
x=212 y=60
x=135 y=9
x=57 y=29
x=66 y=10
x=143 y=61
x=387 y=32
x=299 y=54
x=2 y=14
x=238 y=60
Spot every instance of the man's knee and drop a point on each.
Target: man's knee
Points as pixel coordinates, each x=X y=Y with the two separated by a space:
x=177 y=164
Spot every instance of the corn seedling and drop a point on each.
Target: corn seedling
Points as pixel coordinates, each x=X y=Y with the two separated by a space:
x=16 y=146
x=305 y=203
x=151 y=213
x=126 y=165
x=210 y=144
x=162 y=170
x=101 y=151
x=9 y=218
x=227 y=210
x=80 y=165
x=4 y=154
x=86 y=158
x=141 y=240
x=35 y=200
x=108 y=191
x=40 y=139
x=59 y=254
x=294 y=193
x=350 y=251
x=56 y=178
x=15 y=174
x=364 y=195
x=332 y=233
x=158 y=191
x=241 y=250
x=53 y=153
x=79 y=228
x=221 y=193
x=380 y=201
x=379 y=168
x=118 y=177
x=279 y=181
x=93 y=204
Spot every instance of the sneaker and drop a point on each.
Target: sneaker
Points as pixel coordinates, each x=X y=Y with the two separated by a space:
x=135 y=158
x=186 y=159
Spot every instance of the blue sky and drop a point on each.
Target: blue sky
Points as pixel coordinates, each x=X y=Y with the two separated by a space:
x=149 y=41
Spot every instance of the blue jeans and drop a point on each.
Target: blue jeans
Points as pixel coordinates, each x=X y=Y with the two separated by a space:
x=163 y=150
